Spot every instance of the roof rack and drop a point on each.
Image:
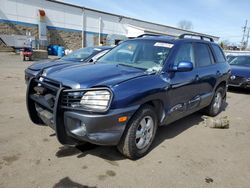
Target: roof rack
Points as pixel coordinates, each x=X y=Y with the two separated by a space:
x=202 y=37
x=148 y=35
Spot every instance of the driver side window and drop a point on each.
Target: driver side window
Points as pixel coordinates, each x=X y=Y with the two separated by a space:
x=185 y=53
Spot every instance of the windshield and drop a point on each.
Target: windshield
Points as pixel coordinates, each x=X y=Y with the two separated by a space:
x=143 y=54
x=230 y=58
x=81 y=54
x=241 y=61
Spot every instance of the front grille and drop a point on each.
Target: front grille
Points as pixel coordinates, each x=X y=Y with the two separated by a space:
x=71 y=99
x=44 y=92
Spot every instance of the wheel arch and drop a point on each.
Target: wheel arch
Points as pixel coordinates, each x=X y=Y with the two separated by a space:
x=158 y=105
x=222 y=84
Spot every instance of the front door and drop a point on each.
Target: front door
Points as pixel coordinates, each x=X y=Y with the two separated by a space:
x=183 y=92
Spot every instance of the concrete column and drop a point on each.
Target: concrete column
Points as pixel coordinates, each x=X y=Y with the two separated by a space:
x=100 y=29
x=83 y=27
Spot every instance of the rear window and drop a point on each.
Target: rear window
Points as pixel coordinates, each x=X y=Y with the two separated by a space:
x=220 y=58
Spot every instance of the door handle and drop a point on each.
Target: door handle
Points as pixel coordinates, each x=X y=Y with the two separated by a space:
x=218 y=73
x=197 y=77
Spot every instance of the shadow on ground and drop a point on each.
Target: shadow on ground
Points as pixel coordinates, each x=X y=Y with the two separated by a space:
x=110 y=154
x=239 y=90
x=67 y=182
x=174 y=129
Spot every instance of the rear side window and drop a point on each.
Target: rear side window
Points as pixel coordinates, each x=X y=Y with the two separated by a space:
x=220 y=58
x=185 y=53
x=202 y=55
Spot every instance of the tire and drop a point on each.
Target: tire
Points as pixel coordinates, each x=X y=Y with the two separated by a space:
x=144 y=125
x=215 y=106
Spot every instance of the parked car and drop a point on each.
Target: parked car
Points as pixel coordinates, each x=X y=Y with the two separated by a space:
x=240 y=76
x=139 y=85
x=230 y=57
x=83 y=55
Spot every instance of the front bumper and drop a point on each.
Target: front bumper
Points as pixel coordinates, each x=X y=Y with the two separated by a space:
x=74 y=126
x=101 y=129
x=242 y=83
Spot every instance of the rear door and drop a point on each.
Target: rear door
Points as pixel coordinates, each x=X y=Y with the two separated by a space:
x=207 y=72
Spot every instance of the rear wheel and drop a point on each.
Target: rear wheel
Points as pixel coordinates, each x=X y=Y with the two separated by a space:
x=215 y=106
x=139 y=134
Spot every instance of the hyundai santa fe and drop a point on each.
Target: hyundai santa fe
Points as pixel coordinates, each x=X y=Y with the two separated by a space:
x=139 y=85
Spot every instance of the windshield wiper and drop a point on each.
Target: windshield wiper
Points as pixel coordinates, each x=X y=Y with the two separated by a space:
x=126 y=65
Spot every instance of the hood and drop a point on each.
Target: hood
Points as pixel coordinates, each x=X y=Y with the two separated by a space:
x=240 y=71
x=48 y=63
x=101 y=74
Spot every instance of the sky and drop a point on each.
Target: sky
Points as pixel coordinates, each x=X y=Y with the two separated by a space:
x=223 y=18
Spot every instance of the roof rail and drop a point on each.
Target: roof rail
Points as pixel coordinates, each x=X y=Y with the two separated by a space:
x=202 y=37
x=148 y=35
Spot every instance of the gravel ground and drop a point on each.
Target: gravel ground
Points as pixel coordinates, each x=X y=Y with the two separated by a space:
x=185 y=153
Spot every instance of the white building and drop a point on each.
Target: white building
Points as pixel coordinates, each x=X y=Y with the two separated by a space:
x=73 y=26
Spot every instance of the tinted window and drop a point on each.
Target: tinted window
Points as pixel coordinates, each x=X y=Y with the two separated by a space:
x=202 y=55
x=241 y=61
x=81 y=54
x=219 y=54
x=185 y=53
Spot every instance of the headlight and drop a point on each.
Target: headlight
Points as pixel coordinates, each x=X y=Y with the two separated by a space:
x=44 y=73
x=96 y=100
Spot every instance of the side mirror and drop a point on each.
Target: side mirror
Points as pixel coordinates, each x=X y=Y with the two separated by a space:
x=183 y=66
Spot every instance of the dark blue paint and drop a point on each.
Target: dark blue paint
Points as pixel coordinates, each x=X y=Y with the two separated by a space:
x=242 y=71
x=184 y=66
x=134 y=87
x=178 y=91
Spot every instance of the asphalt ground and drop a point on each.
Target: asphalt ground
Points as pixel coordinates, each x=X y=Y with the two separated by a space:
x=184 y=154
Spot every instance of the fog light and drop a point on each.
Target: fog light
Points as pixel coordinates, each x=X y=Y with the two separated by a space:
x=83 y=129
x=80 y=130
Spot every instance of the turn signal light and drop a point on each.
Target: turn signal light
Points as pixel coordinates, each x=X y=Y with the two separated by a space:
x=122 y=119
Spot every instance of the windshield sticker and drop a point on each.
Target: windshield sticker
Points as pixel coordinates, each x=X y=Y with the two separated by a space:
x=163 y=44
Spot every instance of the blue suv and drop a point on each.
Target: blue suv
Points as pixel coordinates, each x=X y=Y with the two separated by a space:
x=139 y=85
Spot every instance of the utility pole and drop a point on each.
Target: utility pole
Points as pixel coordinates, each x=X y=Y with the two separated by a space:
x=247 y=37
x=243 y=36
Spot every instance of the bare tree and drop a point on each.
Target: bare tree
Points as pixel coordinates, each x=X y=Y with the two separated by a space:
x=185 y=24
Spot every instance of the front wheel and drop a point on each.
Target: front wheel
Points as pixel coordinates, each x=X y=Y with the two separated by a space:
x=139 y=134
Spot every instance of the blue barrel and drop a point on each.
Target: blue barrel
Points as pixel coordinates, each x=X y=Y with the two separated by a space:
x=50 y=50
x=61 y=51
x=54 y=49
